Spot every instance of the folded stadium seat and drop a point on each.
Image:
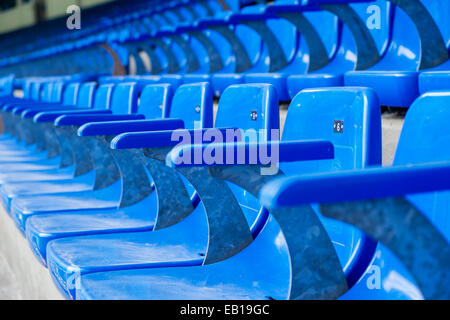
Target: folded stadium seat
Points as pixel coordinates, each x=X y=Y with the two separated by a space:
x=142 y=213
x=358 y=46
x=153 y=103
x=395 y=77
x=174 y=244
x=262 y=270
x=104 y=190
x=405 y=206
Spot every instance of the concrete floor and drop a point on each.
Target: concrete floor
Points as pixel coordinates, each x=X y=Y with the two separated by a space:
x=23 y=277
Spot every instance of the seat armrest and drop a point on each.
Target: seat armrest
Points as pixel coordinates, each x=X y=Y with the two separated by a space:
x=53 y=115
x=78 y=120
x=249 y=153
x=355 y=185
x=118 y=127
x=157 y=139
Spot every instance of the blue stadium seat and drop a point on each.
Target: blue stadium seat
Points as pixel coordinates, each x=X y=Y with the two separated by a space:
x=141 y=214
x=129 y=180
x=359 y=47
x=154 y=103
x=176 y=244
x=102 y=101
x=261 y=271
x=124 y=107
x=417 y=176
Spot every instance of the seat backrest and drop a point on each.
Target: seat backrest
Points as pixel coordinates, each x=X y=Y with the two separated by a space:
x=425 y=137
x=46 y=92
x=103 y=96
x=36 y=88
x=249 y=106
x=193 y=103
x=86 y=95
x=71 y=93
x=7 y=85
x=124 y=98
x=361 y=40
x=348 y=117
x=57 y=91
x=155 y=101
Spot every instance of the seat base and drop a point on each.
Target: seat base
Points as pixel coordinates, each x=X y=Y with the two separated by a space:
x=394 y=88
x=41 y=229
